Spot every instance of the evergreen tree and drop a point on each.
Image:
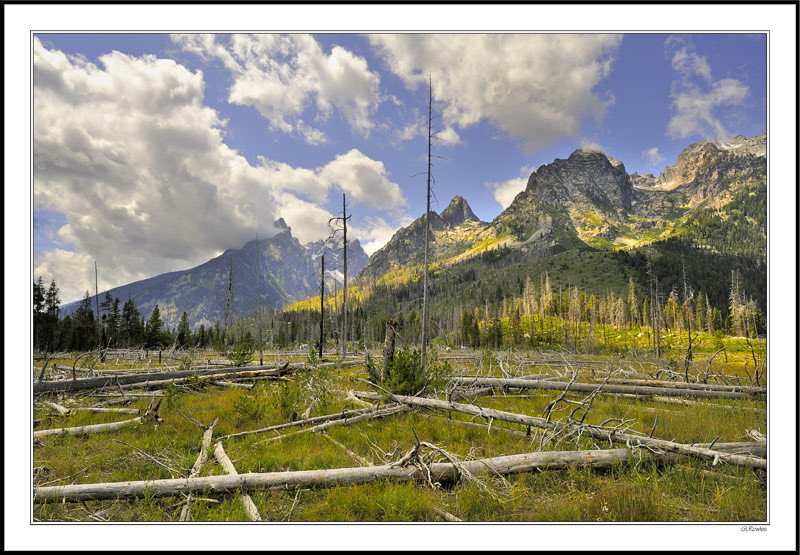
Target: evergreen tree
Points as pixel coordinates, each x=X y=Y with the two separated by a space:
x=84 y=336
x=38 y=313
x=153 y=329
x=52 y=307
x=184 y=333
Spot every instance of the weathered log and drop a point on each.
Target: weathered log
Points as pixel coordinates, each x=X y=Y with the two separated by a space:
x=104 y=409
x=353 y=455
x=754 y=448
x=508 y=464
x=312 y=420
x=384 y=411
x=483 y=427
x=93 y=428
x=250 y=508
x=63 y=411
x=449 y=517
x=591 y=431
x=128 y=396
x=198 y=463
x=588 y=387
x=688 y=402
x=690 y=385
x=235 y=385
x=97 y=383
x=464 y=393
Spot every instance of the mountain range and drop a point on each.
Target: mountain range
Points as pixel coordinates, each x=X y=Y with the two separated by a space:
x=589 y=199
x=711 y=201
x=287 y=271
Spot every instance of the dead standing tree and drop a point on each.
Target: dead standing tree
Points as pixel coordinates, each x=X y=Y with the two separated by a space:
x=228 y=303
x=334 y=230
x=427 y=240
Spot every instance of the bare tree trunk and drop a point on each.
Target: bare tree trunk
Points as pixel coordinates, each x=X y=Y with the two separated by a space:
x=258 y=306
x=427 y=238
x=607 y=388
x=592 y=431
x=228 y=303
x=296 y=423
x=383 y=411
x=94 y=428
x=249 y=507
x=322 y=306
x=388 y=347
x=508 y=464
x=97 y=383
x=344 y=285
x=198 y=463
x=61 y=410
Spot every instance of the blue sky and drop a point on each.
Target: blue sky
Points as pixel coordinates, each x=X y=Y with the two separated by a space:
x=156 y=152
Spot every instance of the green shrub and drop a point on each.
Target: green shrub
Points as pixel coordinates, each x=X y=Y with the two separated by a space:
x=248 y=408
x=241 y=354
x=404 y=373
x=290 y=396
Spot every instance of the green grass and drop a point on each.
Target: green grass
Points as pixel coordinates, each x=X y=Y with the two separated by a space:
x=642 y=492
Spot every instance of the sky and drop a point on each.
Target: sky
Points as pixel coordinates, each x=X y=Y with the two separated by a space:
x=155 y=152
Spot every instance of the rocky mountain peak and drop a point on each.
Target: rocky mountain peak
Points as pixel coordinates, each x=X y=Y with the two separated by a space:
x=280 y=223
x=458 y=212
x=587 y=179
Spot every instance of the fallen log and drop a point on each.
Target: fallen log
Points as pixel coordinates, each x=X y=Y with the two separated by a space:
x=234 y=385
x=104 y=409
x=93 y=428
x=250 y=508
x=350 y=453
x=312 y=420
x=588 y=387
x=689 y=403
x=384 y=411
x=591 y=431
x=63 y=411
x=98 y=383
x=205 y=443
x=475 y=424
x=449 y=517
x=508 y=464
x=754 y=448
x=690 y=385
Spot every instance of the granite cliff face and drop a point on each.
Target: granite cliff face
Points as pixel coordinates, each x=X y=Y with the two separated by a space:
x=456 y=225
x=588 y=198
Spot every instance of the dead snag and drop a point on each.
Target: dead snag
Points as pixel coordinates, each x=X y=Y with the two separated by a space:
x=249 y=507
x=388 y=347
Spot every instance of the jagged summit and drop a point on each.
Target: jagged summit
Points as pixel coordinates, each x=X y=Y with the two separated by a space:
x=280 y=223
x=458 y=212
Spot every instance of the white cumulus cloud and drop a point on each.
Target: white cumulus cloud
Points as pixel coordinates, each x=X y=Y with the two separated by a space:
x=536 y=87
x=652 y=156
x=375 y=232
x=282 y=76
x=505 y=191
x=129 y=154
x=699 y=102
